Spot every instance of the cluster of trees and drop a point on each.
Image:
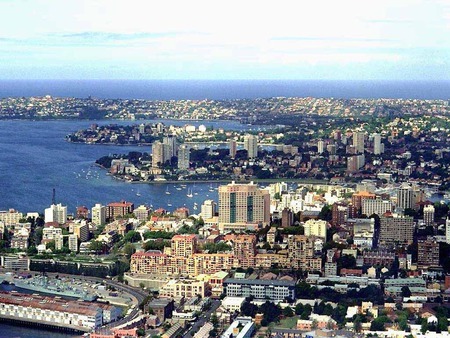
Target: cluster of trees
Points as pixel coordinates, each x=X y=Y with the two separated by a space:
x=270 y=311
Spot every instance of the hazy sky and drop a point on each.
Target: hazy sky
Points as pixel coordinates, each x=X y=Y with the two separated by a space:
x=225 y=39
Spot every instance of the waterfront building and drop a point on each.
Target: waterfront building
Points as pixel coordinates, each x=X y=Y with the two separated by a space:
x=51 y=311
x=208 y=209
x=233 y=148
x=73 y=242
x=56 y=213
x=251 y=145
x=243 y=206
x=15 y=262
x=142 y=212
x=317 y=228
x=118 y=209
x=10 y=217
x=428 y=215
x=273 y=290
x=396 y=228
x=20 y=239
x=184 y=157
x=98 y=214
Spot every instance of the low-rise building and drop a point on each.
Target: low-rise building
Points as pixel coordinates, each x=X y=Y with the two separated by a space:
x=274 y=290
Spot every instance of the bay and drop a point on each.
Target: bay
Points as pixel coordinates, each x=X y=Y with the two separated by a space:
x=35 y=158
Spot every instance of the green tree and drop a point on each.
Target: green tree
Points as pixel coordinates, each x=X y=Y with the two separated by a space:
x=287 y=311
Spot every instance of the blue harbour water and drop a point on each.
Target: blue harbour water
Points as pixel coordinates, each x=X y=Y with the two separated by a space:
x=35 y=158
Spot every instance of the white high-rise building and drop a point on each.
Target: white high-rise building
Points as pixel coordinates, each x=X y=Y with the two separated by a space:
x=320 y=145
x=428 y=215
x=59 y=240
x=56 y=213
x=184 y=156
x=251 y=145
x=405 y=197
x=377 y=144
x=98 y=214
x=73 y=243
x=358 y=141
x=316 y=228
x=208 y=209
x=233 y=148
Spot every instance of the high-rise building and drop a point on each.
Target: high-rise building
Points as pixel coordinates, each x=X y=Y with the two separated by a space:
x=10 y=217
x=301 y=253
x=428 y=215
x=377 y=146
x=251 y=145
x=98 y=214
x=82 y=212
x=208 y=209
x=184 y=157
x=287 y=218
x=447 y=230
x=73 y=243
x=172 y=146
x=233 y=148
x=405 y=197
x=355 y=162
x=358 y=141
x=56 y=213
x=242 y=206
x=81 y=230
x=339 y=214
x=376 y=206
x=320 y=145
x=58 y=242
x=359 y=197
x=396 y=228
x=160 y=154
x=427 y=253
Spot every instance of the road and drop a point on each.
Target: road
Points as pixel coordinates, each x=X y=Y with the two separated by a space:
x=202 y=319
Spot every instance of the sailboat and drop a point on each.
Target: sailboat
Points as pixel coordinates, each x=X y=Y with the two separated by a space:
x=138 y=193
x=189 y=194
x=167 y=191
x=211 y=187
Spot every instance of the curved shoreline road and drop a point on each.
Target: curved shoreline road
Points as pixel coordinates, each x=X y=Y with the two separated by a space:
x=138 y=295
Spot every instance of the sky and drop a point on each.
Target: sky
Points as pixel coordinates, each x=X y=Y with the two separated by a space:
x=217 y=39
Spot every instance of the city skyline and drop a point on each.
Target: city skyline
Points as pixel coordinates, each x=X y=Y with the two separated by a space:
x=349 y=40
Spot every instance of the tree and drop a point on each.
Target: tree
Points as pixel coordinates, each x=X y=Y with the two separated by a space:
x=406 y=292
x=287 y=311
x=129 y=249
x=96 y=246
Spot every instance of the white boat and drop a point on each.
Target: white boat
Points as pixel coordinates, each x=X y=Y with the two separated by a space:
x=189 y=194
x=167 y=191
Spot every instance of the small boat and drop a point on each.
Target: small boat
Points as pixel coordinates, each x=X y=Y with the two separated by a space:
x=138 y=193
x=167 y=191
x=189 y=194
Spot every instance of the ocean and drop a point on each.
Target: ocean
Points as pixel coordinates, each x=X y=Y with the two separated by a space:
x=225 y=89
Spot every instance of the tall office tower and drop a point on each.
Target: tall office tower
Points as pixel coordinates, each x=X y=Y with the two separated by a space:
x=172 y=147
x=358 y=141
x=244 y=249
x=428 y=215
x=377 y=144
x=320 y=145
x=56 y=213
x=396 y=228
x=160 y=154
x=184 y=245
x=233 y=148
x=405 y=197
x=184 y=156
x=208 y=209
x=98 y=214
x=251 y=145
x=243 y=206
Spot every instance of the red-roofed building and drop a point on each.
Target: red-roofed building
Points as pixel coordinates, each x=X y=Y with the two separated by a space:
x=118 y=209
